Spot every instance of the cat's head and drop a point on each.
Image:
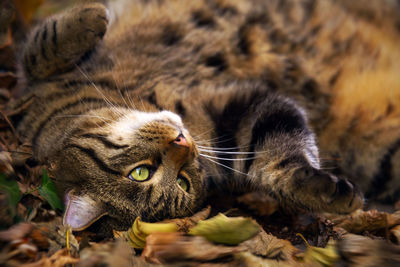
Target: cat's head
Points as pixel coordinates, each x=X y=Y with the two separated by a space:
x=123 y=163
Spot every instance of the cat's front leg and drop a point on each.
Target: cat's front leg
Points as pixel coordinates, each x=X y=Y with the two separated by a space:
x=276 y=152
x=61 y=41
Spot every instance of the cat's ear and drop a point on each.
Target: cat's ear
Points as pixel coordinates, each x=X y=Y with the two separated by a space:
x=81 y=211
x=63 y=40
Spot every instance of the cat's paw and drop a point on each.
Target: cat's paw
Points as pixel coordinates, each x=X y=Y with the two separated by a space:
x=86 y=25
x=322 y=191
x=63 y=40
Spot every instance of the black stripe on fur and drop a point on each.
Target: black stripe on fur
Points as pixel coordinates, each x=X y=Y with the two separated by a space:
x=92 y=154
x=276 y=116
x=106 y=142
x=384 y=174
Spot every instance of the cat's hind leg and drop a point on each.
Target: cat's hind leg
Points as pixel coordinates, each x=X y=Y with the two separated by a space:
x=61 y=41
x=278 y=151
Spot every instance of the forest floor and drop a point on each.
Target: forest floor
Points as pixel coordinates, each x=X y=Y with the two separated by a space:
x=255 y=234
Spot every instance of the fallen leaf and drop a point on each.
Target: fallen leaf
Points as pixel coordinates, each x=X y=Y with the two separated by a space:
x=21 y=248
x=184 y=224
x=117 y=253
x=395 y=234
x=259 y=202
x=7 y=80
x=5 y=163
x=11 y=189
x=361 y=221
x=58 y=259
x=48 y=190
x=39 y=237
x=226 y=230
x=248 y=259
x=171 y=247
x=327 y=256
x=269 y=246
x=56 y=235
x=8 y=63
x=136 y=235
x=7 y=11
x=122 y=255
x=17 y=231
x=21 y=154
x=357 y=250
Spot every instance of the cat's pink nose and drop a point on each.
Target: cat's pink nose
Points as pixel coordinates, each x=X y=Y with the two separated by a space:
x=181 y=141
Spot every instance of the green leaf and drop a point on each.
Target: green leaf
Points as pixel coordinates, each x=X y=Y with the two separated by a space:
x=48 y=190
x=11 y=189
x=226 y=230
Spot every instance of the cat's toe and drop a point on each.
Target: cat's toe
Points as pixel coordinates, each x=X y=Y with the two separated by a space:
x=91 y=22
x=323 y=192
x=345 y=198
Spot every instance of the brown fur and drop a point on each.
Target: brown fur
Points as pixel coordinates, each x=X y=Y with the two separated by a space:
x=227 y=69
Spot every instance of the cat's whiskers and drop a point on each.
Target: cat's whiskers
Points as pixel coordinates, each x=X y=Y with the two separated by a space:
x=119 y=91
x=130 y=103
x=222 y=148
x=227 y=152
x=229 y=168
x=133 y=106
x=212 y=140
x=201 y=134
x=86 y=115
x=113 y=107
x=103 y=119
x=227 y=159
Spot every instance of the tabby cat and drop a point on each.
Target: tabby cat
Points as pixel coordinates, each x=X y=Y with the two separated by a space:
x=144 y=107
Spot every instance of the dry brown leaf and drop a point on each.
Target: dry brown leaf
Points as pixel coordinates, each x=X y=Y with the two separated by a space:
x=395 y=234
x=172 y=247
x=361 y=221
x=39 y=237
x=56 y=236
x=7 y=80
x=58 y=259
x=7 y=11
x=357 y=250
x=259 y=202
x=121 y=256
x=8 y=62
x=5 y=163
x=269 y=246
x=18 y=231
x=185 y=223
x=21 y=154
x=248 y=259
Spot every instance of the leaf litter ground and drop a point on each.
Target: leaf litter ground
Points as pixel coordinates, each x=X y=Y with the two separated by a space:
x=251 y=231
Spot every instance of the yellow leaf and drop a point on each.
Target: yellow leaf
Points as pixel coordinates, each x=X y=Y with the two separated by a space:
x=225 y=230
x=323 y=256
x=137 y=234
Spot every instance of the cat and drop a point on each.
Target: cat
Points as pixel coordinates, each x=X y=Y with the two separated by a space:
x=145 y=107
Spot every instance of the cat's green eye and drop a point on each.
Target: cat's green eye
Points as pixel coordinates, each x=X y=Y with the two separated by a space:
x=140 y=174
x=183 y=183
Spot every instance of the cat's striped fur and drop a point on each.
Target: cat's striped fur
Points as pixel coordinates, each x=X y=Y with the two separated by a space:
x=242 y=75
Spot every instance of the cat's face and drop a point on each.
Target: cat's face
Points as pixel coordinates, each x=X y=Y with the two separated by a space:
x=129 y=163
